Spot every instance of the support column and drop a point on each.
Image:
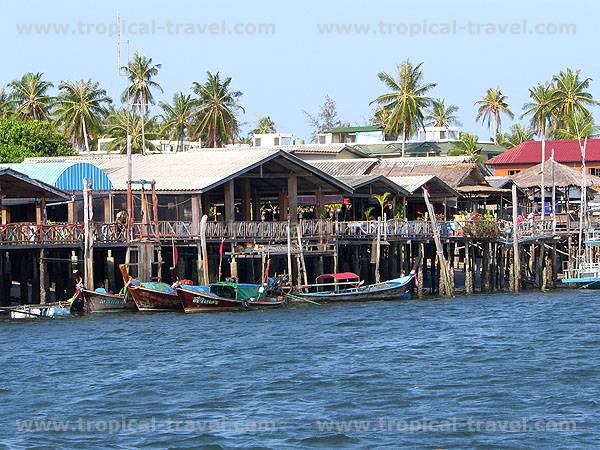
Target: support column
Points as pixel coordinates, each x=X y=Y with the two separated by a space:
x=256 y=216
x=43 y=277
x=282 y=203
x=196 y=213
x=72 y=212
x=5 y=215
x=319 y=200
x=23 y=278
x=229 y=192
x=107 y=206
x=40 y=211
x=111 y=285
x=246 y=199
x=293 y=198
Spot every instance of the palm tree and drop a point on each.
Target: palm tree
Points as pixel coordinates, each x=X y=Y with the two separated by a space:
x=441 y=116
x=490 y=108
x=570 y=97
x=218 y=105
x=467 y=145
x=539 y=108
x=406 y=101
x=517 y=135
x=140 y=72
x=382 y=200
x=6 y=108
x=30 y=96
x=264 y=126
x=578 y=126
x=177 y=117
x=81 y=106
x=122 y=123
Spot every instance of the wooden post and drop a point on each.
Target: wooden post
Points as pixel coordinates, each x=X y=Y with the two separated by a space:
x=292 y=199
x=43 y=274
x=196 y=213
x=378 y=252
x=516 y=259
x=24 y=271
x=88 y=235
x=246 y=199
x=5 y=215
x=302 y=267
x=106 y=206
x=445 y=273
x=155 y=215
x=72 y=211
x=468 y=268
x=289 y=253
x=420 y=270
x=204 y=251
x=229 y=191
x=40 y=211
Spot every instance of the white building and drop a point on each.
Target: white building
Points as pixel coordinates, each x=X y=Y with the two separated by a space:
x=274 y=140
x=436 y=134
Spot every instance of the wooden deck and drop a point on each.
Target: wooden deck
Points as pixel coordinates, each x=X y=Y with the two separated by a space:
x=70 y=235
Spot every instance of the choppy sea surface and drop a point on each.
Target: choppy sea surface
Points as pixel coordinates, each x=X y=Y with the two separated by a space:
x=497 y=371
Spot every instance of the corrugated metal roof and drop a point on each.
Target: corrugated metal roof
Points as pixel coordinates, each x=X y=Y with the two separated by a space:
x=344 y=167
x=67 y=176
x=565 y=151
x=414 y=183
x=196 y=171
x=359 y=181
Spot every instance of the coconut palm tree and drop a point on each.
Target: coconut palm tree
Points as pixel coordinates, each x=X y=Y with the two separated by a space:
x=217 y=108
x=121 y=123
x=406 y=100
x=264 y=126
x=441 y=116
x=30 y=96
x=6 y=108
x=539 y=109
x=80 y=108
x=467 y=145
x=177 y=117
x=578 y=126
x=491 y=106
x=140 y=71
x=570 y=98
x=517 y=135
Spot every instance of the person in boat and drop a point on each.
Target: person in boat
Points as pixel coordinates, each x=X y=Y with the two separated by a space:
x=101 y=288
x=76 y=301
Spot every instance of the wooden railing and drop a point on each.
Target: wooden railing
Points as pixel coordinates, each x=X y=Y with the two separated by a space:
x=31 y=234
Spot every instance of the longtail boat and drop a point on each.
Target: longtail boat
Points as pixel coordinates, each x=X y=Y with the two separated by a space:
x=227 y=296
x=47 y=310
x=151 y=296
x=347 y=287
x=105 y=302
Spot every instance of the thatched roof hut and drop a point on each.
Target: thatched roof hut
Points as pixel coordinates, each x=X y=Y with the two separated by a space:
x=563 y=177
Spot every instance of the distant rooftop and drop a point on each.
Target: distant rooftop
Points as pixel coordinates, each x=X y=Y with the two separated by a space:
x=357 y=129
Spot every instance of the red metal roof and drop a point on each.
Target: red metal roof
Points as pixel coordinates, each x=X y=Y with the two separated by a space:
x=565 y=151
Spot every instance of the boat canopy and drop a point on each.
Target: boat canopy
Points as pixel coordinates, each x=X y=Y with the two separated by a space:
x=238 y=291
x=337 y=276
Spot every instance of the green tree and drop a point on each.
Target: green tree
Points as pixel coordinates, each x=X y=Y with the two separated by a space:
x=326 y=119
x=141 y=71
x=20 y=139
x=570 y=98
x=80 y=108
x=517 y=135
x=406 y=100
x=121 y=123
x=382 y=199
x=578 y=126
x=264 y=126
x=491 y=106
x=539 y=109
x=467 y=145
x=217 y=108
x=440 y=115
x=6 y=108
x=177 y=118
x=30 y=96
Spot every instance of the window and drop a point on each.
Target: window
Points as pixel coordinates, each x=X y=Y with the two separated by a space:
x=322 y=139
x=595 y=171
x=276 y=141
x=257 y=142
x=513 y=172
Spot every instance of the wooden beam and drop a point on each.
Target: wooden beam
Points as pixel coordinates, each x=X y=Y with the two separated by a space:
x=196 y=213
x=293 y=198
x=229 y=198
x=72 y=212
x=246 y=199
x=40 y=211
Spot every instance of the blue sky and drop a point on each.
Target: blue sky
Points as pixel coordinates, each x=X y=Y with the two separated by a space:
x=291 y=70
